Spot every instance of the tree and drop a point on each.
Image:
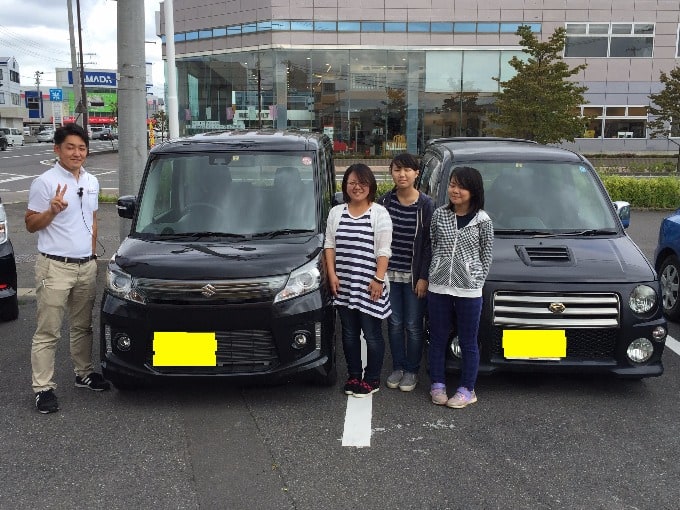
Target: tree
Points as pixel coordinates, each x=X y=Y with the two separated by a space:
x=540 y=103
x=666 y=106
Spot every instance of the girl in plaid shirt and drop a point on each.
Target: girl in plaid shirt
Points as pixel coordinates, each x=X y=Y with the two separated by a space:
x=462 y=242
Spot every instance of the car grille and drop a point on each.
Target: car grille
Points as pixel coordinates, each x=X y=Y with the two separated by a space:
x=246 y=351
x=582 y=344
x=555 y=310
x=209 y=292
x=238 y=352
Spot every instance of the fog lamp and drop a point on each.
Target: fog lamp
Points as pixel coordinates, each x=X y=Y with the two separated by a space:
x=123 y=342
x=455 y=347
x=640 y=350
x=299 y=340
x=659 y=333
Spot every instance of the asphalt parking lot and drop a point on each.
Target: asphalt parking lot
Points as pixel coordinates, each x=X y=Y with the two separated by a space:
x=532 y=441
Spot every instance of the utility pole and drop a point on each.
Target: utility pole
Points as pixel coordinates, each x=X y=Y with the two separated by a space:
x=132 y=145
x=75 y=72
x=83 y=94
x=38 y=74
x=172 y=105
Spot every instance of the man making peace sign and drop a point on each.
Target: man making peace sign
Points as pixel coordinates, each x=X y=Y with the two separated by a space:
x=62 y=208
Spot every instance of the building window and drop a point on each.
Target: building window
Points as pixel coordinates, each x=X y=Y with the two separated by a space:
x=325 y=26
x=2 y=98
x=301 y=26
x=349 y=26
x=418 y=26
x=441 y=27
x=192 y=36
x=395 y=26
x=371 y=26
x=627 y=40
x=615 y=121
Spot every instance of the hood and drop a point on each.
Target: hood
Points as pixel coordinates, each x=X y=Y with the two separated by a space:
x=216 y=260
x=569 y=260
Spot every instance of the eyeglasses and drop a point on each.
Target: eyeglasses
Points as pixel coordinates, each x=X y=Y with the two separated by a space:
x=356 y=184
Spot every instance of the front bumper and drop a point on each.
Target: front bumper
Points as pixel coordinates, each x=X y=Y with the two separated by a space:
x=254 y=341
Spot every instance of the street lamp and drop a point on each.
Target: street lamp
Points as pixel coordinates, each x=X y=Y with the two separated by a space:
x=38 y=74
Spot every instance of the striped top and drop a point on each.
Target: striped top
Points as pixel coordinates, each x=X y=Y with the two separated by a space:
x=404 y=218
x=355 y=265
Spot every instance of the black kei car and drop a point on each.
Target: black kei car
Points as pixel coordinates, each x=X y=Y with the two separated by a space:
x=568 y=290
x=9 y=304
x=222 y=273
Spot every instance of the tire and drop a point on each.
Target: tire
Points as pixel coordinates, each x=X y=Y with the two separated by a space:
x=669 y=276
x=11 y=311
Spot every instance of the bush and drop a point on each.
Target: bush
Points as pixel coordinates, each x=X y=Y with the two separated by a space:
x=655 y=193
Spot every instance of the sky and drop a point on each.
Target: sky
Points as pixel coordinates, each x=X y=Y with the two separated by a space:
x=36 y=33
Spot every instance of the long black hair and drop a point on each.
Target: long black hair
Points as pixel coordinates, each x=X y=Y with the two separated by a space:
x=470 y=179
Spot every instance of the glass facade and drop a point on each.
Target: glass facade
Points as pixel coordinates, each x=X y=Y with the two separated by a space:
x=372 y=102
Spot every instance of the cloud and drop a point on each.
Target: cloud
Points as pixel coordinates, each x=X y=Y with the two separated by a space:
x=36 y=33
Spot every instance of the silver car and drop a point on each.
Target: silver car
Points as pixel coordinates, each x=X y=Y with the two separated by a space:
x=45 y=136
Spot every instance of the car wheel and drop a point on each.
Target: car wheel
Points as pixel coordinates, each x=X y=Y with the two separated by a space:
x=670 y=285
x=11 y=311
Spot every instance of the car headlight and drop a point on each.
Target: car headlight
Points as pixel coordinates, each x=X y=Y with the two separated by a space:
x=121 y=284
x=642 y=299
x=303 y=280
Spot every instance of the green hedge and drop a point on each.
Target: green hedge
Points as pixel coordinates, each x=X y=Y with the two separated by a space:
x=654 y=193
x=641 y=192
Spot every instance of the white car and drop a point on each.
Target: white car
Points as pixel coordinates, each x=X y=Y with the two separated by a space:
x=14 y=136
x=45 y=136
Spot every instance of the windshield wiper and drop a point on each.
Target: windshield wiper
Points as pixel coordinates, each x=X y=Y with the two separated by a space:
x=282 y=232
x=522 y=231
x=199 y=235
x=590 y=232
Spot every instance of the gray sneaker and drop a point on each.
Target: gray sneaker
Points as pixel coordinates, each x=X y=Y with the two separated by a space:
x=394 y=379
x=408 y=382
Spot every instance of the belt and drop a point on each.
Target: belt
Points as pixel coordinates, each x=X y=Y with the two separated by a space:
x=69 y=260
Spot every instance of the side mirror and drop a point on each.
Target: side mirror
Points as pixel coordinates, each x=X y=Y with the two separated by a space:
x=126 y=206
x=338 y=198
x=623 y=210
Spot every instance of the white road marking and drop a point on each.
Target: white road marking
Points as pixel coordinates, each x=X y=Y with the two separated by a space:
x=358 y=415
x=673 y=344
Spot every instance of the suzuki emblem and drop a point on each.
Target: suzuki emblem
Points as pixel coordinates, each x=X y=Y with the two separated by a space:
x=208 y=290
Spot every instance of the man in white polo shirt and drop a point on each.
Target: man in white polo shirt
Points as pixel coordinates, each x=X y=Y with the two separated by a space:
x=62 y=208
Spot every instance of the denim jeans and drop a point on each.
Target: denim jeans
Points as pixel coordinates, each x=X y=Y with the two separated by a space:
x=468 y=312
x=405 y=327
x=353 y=323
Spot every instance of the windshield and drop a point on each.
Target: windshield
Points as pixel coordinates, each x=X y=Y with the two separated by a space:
x=551 y=197
x=228 y=193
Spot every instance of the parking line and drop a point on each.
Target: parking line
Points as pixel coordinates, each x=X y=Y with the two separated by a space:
x=673 y=344
x=359 y=415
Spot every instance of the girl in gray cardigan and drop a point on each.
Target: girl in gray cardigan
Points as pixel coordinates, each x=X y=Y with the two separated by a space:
x=462 y=242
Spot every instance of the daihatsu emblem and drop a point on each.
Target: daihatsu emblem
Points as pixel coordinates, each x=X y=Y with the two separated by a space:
x=557 y=308
x=208 y=290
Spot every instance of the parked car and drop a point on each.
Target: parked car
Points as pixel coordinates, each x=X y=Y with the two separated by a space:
x=46 y=135
x=107 y=134
x=667 y=264
x=568 y=290
x=9 y=303
x=222 y=273
x=14 y=136
x=3 y=142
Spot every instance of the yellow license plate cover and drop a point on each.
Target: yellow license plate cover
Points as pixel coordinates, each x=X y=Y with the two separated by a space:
x=184 y=349
x=535 y=344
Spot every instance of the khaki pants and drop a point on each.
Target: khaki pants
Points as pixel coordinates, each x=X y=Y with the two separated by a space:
x=61 y=286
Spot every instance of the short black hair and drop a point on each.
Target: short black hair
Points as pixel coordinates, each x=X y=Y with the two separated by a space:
x=405 y=160
x=470 y=179
x=364 y=176
x=70 y=129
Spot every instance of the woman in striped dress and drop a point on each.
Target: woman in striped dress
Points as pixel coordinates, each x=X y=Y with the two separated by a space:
x=357 y=249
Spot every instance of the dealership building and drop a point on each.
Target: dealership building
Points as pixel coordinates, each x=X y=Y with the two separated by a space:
x=382 y=76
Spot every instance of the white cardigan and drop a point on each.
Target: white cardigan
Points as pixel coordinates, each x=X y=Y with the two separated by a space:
x=380 y=221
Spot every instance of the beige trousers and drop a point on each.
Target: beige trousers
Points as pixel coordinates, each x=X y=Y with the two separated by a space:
x=62 y=286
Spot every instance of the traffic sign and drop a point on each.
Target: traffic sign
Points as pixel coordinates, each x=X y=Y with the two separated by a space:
x=56 y=95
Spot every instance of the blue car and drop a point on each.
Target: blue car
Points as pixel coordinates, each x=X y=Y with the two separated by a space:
x=667 y=264
x=9 y=305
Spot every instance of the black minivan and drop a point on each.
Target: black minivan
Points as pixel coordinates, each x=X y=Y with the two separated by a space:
x=222 y=273
x=568 y=290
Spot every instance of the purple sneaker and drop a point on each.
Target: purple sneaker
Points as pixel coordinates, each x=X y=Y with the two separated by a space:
x=462 y=398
